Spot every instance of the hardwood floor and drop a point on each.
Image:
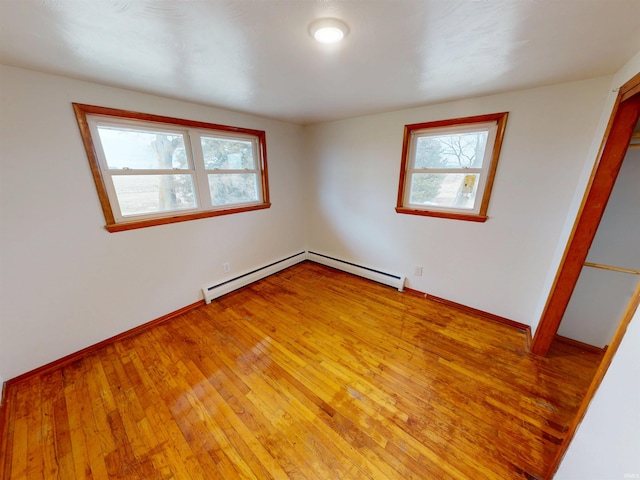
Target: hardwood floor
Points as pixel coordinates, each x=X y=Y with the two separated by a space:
x=308 y=374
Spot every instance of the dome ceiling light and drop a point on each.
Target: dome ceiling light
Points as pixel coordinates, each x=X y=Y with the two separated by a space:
x=328 y=30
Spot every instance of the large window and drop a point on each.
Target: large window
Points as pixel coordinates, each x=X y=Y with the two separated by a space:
x=448 y=167
x=151 y=170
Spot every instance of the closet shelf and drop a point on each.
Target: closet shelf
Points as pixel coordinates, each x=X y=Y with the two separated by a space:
x=612 y=268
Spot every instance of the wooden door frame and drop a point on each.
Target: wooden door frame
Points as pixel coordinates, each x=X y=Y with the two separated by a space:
x=597 y=380
x=615 y=143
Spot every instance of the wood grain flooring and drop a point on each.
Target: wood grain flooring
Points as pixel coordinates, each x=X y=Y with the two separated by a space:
x=308 y=374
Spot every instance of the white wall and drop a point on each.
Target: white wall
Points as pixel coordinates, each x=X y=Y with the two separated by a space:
x=66 y=283
x=601 y=296
x=499 y=266
x=631 y=68
x=607 y=444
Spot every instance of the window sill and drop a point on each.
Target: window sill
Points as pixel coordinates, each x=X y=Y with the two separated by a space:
x=152 y=222
x=453 y=215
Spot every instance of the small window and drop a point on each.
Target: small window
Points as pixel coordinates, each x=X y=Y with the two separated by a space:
x=448 y=167
x=151 y=170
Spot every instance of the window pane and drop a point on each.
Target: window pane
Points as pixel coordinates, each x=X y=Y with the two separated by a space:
x=142 y=149
x=458 y=150
x=140 y=194
x=233 y=188
x=454 y=190
x=227 y=154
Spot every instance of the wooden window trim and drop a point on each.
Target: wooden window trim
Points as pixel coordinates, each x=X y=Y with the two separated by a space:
x=81 y=112
x=481 y=216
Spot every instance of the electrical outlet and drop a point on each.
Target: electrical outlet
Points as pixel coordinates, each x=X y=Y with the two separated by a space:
x=417 y=271
x=226 y=268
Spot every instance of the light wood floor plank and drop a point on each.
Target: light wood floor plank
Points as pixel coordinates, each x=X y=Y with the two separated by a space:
x=308 y=374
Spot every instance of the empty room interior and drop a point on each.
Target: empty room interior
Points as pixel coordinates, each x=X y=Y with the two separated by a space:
x=320 y=239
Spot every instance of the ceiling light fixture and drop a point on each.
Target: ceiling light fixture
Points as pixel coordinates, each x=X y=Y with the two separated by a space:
x=328 y=30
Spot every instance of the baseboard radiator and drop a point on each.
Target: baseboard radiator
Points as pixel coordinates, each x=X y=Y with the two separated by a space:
x=393 y=280
x=211 y=292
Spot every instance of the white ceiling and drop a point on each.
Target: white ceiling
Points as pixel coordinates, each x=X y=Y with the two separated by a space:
x=257 y=56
